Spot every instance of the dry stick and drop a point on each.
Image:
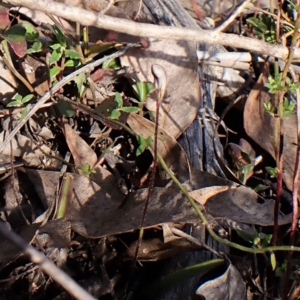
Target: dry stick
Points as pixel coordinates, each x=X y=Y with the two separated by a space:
x=232 y=17
x=160 y=83
x=46 y=265
x=89 y=18
x=86 y=69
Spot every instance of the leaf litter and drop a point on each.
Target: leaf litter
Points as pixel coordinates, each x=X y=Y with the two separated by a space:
x=100 y=211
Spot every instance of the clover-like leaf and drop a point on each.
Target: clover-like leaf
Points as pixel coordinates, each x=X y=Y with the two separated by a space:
x=72 y=54
x=31 y=34
x=115 y=114
x=56 y=56
x=35 y=48
x=15 y=36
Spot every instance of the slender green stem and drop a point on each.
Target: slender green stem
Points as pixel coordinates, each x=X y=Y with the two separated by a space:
x=211 y=232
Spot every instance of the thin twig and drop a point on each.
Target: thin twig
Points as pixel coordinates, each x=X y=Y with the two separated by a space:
x=46 y=265
x=89 y=18
x=85 y=69
x=235 y=14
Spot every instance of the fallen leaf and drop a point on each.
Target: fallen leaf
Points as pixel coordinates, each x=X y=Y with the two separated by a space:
x=31 y=154
x=182 y=99
x=239 y=204
x=229 y=286
x=93 y=213
x=82 y=153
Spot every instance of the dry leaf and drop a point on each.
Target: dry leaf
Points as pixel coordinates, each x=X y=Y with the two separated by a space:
x=93 y=213
x=31 y=154
x=182 y=99
x=82 y=153
x=238 y=203
x=229 y=286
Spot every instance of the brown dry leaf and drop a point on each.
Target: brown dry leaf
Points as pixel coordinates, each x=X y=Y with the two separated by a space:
x=168 y=148
x=8 y=84
x=82 y=153
x=45 y=183
x=238 y=203
x=230 y=285
x=37 y=74
x=31 y=154
x=261 y=127
x=182 y=99
x=93 y=213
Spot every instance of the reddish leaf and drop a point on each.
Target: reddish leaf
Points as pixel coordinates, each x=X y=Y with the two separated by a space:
x=15 y=35
x=4 y=17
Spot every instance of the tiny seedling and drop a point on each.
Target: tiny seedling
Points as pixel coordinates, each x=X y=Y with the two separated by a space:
x=87 y=170
x=273 y=172
x=20 y=100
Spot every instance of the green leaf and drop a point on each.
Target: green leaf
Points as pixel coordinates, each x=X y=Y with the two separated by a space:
x=143 y=89
x=56 y=46
x=143 y=144
x=54 y=71
x=31 y=34
x=129 y=109
x=25 y=111
x=60 y=37
x=80 y=81
x=27 y=98
x=87 y=170
x=119 y=99
x=35 y=48
x=70 y=63
x=14 y=104
x=72 y=54
x=55 y=56
x=18 y=97
x=111 y=64
x=15 y=36
x=273 y=261
x=115 y=114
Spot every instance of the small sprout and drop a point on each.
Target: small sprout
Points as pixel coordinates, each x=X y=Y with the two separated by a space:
x=143 y=144
x=273 y=172
x=20 y=101
x=87 y=170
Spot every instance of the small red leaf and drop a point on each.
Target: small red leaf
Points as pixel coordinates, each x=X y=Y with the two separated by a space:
x=4 y=17
x=15 y=35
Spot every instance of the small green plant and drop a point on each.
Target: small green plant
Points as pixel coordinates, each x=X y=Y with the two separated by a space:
x=143 y=144
x=61 y=49
x=87 y=170
x=116 y=113
x=20 y=100
x=264 y=27
x=143 y=89
x=273 y=172
x=277 y=85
